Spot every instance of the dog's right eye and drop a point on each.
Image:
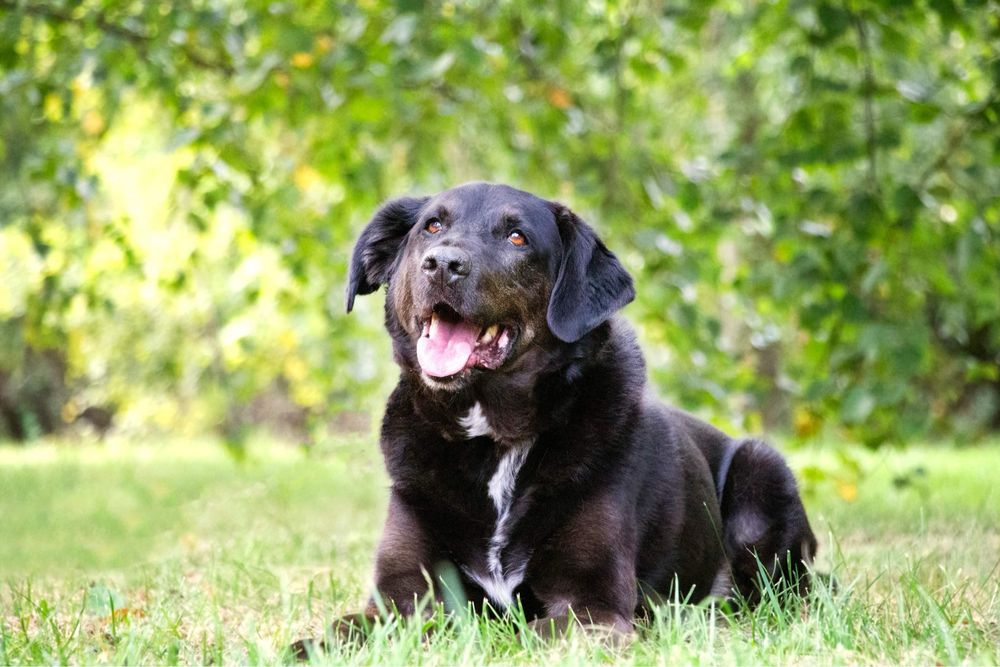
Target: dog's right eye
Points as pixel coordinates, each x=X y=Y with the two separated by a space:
x=433 y=226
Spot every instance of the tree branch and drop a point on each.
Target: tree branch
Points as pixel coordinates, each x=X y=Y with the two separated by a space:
x=956 y=136
x=612 y=167
x=871 y=134
x=141 y=41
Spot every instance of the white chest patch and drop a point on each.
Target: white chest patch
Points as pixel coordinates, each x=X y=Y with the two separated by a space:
x=475 y=423
x=500 y=585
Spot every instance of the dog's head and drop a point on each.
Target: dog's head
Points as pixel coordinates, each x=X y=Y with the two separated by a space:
x=479 y=274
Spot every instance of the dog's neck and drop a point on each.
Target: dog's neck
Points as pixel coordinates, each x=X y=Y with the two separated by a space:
x=512 y=407
x=501 y=406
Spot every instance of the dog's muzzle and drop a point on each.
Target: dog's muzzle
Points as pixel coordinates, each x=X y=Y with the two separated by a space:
x=446 y=265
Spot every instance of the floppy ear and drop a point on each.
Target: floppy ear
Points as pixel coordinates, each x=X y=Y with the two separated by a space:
x=591 y=284
x=376 y=249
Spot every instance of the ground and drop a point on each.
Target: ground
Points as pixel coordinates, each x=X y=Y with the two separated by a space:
x=178 y=553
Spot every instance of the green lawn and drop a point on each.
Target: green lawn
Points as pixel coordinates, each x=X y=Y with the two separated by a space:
x=204 y=559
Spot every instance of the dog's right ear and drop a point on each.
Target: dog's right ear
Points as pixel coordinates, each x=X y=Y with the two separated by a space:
x=376 y=249
x=592 y=284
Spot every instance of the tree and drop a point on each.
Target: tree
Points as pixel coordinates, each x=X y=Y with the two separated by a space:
x=808 y=193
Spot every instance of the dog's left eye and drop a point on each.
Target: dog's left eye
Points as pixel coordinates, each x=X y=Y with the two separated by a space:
x=433 y=226
x=517 y=238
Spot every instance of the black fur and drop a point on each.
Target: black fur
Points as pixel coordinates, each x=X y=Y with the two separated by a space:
x=765 y=526
x=591 y=284
x=615 y=501
x=376 y=250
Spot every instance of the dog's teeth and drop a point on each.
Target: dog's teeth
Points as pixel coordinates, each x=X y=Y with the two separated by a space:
x=504 y=340
x=489 y=334
x=432 y=329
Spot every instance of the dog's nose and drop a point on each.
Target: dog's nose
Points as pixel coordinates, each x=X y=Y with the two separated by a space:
x=446 y=264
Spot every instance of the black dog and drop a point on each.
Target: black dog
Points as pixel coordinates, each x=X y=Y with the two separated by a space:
x=522 y=443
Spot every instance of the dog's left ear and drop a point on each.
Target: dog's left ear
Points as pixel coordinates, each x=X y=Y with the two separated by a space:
x=591 y=284
x=376 y=249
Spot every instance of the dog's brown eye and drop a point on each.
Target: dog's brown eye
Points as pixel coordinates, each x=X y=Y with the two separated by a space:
x=517 y=238
x=433 y=226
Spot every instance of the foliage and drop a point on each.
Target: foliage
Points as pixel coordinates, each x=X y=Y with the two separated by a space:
x=807 y=192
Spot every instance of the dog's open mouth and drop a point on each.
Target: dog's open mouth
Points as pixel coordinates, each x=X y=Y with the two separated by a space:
x=449 y=344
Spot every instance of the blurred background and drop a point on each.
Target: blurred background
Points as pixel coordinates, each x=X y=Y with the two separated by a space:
x=807 y=193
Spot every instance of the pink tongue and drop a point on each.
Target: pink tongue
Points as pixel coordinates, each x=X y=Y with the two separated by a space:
x=447 y=350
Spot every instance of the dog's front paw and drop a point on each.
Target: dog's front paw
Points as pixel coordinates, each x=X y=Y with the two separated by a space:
x=350 y=629
x=304 y=649
x=615 y=635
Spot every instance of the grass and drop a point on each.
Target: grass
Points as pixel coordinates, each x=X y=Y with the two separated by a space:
x=172 y=553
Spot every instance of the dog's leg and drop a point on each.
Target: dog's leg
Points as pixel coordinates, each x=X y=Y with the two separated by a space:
x=587 y=573
x=406 y=555
x=767 y=533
